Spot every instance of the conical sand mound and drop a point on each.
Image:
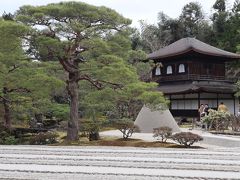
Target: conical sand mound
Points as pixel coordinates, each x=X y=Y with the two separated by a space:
x=147 y=120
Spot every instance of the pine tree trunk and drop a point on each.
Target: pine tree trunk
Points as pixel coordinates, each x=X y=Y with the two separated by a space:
x=72 y=86
x=7 y=117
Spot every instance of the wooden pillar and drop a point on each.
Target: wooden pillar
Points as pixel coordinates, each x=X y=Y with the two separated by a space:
x=184 y=101
x=198 y=99
x=234 y=106
x=170 y=99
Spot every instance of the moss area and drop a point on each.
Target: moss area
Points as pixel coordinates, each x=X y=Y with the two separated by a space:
x=110 y=141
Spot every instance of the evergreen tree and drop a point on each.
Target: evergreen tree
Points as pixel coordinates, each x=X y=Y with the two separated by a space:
x=84 y=40
x=25 y=85
x=191 y=23
x=190 y=18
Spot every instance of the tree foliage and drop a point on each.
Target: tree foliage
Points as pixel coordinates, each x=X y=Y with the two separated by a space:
x=186 y=138
x=64 y=32
x=92 y=44
x=162 y=133
x=191 y=18
x=26 y=87
x=190 y=23
x=93 y=52
x=126 y=126
x=125 y=100
x=217 y=120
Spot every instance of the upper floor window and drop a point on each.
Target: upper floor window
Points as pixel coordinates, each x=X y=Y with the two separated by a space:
x=158 y=71
x=169 y=69
x=181 y=68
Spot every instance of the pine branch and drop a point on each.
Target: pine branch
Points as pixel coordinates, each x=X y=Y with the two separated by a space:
x=95 y=83
x=13 y=68
x=21 y=90
x=67 y=66
x=99 y=84
x=114 y=85
x=4 y=99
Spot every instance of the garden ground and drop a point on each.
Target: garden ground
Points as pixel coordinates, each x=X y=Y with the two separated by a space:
x=88 y=163
x=209 y=140
x=112 y=162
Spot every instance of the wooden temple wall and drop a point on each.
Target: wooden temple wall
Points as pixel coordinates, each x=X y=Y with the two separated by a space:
x=189 y=103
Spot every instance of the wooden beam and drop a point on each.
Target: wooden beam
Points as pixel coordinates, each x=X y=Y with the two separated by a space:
x=170 y=99
x=198 y=99
x=234 y=106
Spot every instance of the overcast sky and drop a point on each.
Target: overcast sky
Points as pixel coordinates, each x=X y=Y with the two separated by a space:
x=134 y=9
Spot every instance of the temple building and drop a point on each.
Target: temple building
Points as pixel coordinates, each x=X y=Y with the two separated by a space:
x=190 y=73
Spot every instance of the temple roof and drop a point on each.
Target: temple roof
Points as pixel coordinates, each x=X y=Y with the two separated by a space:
x=185 y=45
x=193 y=87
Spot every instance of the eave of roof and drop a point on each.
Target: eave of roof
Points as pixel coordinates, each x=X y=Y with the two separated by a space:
x=197 y=87
x=186 y=45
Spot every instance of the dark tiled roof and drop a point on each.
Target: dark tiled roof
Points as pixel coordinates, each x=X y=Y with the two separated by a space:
x=220 y=87
x=191 y=44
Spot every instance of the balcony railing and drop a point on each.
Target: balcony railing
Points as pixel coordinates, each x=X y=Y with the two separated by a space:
x=180 y=77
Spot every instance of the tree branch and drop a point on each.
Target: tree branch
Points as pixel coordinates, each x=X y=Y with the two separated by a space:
x=99 y=84
x=13 y=68
x=67 y=66
x=22 y=90
x=20 y=101
x=95 y=83
x=4 y=99
x=115 y=85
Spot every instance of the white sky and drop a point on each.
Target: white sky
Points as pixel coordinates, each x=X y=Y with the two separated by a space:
x=133 y=9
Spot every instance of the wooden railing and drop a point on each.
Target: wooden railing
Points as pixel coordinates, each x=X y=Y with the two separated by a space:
x=187 y=77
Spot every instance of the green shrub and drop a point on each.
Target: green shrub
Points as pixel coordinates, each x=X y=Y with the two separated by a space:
x=235 y=123
x=186 y=138
x=6 y=137
x=10 y=140
x=126 y=126
x=217 y=120
x=43 y=138
x=163 y=133
x=90 y=129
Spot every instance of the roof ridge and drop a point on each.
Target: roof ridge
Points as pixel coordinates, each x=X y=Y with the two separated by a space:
x=189 y=43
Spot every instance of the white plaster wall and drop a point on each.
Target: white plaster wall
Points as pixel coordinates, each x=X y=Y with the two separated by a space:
x=174 y=104
x=186 y=96
x=181 y=104
x=237 y=106
x=193 y=104
x=188 y=104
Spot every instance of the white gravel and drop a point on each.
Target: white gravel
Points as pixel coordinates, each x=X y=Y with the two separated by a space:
x=44 y=162
x=219 y=160
x=209 y=140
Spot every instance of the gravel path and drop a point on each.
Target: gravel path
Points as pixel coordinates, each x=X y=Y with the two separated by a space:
x=209 y=140
x=47 y=162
